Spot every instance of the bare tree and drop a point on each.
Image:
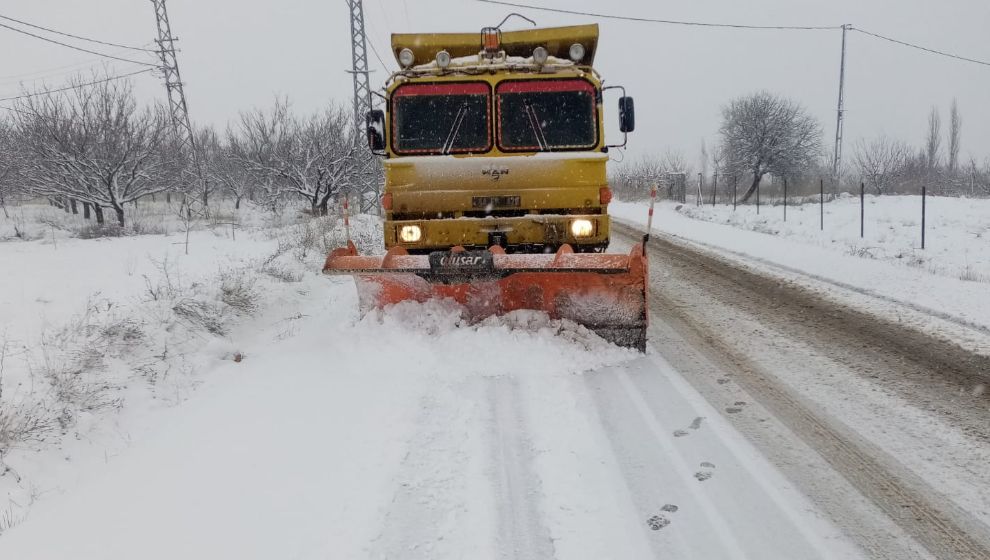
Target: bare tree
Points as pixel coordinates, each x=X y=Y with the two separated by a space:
x=632 y=180
x=314 y=158
x=226 y=167
x=704 y=160
x=933 y=142
x=764 y=133
x=955 y=134
x=93 y=144
x=880 y=161
x=9 y=164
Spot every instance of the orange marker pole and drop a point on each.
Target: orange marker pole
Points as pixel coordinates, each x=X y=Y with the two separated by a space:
x=649 y=219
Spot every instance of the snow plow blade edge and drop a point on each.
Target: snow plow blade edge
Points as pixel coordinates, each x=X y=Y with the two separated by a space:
x=606 y=293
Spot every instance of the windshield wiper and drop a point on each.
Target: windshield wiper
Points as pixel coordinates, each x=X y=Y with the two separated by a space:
x=448 y=144
x=534 y=123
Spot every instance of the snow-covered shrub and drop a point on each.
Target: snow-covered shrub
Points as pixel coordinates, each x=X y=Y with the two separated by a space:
x=237 y=291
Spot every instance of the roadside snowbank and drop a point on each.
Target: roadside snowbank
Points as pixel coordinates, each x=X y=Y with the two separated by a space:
x=888 y=270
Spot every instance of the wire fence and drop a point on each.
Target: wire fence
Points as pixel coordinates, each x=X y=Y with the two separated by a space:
x=779 y=197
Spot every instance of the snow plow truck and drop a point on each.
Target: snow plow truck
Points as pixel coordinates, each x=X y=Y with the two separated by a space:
x=496 y=194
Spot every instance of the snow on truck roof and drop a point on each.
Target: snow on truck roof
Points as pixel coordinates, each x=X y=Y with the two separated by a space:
x=557 y=41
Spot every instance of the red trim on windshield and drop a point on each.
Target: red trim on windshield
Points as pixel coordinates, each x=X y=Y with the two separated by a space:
x=460 y=88
x=545 y=85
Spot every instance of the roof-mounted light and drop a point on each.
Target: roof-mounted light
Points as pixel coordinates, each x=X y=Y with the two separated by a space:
x=443 y=59
x=540 y=56
x=577 y=52
x=491 y=41
x=406 y=58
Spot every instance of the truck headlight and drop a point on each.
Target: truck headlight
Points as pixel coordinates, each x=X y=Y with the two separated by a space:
x=406 y=58
x=410 y=234
x=582 y=228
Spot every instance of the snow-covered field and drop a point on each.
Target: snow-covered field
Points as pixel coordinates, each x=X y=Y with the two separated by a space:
x=950 y=278
x=233 y=404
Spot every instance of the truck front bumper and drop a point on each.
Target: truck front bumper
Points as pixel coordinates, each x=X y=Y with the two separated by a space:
x=548 y=231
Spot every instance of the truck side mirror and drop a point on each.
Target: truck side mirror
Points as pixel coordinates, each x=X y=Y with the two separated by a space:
x=375 y=121
x=627 y=114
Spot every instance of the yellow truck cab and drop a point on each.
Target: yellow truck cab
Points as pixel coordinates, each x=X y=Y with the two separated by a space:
x=495 y=139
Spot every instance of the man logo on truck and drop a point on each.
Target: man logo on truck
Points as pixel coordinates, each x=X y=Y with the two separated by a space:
x=494 y=173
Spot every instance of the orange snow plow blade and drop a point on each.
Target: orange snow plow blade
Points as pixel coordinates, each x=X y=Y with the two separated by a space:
x=604 y=292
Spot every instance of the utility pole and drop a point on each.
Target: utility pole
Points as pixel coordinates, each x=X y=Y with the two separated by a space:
x=359 y=65
x=362 y=103
x=837 y=160
x=178 y=110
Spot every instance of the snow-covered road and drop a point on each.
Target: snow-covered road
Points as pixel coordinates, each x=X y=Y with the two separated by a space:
x=408 y=435
x=405 y=436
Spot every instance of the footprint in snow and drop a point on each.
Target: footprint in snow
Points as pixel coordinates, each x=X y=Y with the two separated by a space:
x=659 y=521
x=695 y=424
x=722 y=381
x=736 y=408
x=704 y=475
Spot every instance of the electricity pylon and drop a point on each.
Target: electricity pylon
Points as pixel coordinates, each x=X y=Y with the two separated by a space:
x=359 y=64
x=178 y=109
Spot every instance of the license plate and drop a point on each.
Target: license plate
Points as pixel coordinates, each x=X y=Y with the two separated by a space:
x=466 y=261
x=482 y=202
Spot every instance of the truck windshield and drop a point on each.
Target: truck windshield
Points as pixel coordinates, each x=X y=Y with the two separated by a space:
x=450 y=118
x=547 y=115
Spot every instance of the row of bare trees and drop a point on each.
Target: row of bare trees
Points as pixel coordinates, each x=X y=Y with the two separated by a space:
x=887 y=165
x=761 y=135
x=767 y=136
x=94 y=146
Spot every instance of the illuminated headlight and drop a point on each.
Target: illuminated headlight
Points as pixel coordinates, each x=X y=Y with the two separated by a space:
x=406 y=58
x=582 y=228
x=443 y=59
x=540 y=55
x=410 y=234
x=577 y=52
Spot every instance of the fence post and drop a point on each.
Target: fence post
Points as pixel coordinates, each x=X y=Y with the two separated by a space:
x=714 y=188
x=698 y=199
x=821 y=203
x=862 y=209
x=923 y=197
x=785 y=200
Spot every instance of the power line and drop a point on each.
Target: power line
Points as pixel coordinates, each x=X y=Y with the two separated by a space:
x=67 y=88
x=665 y=21
x=74 y=36
x=55 y=72
x=378 y=56
x=738 y=26
x=104 y=55
x=920 y=48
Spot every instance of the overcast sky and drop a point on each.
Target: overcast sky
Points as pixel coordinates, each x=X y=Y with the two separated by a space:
x=238 y=54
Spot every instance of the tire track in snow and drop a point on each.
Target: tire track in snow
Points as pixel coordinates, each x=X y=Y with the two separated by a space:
x=723 y=532
x=522 y=534
x=944 y=529
x=442 y=504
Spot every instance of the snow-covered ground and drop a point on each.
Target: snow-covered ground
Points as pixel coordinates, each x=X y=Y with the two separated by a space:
x=950 y=279
x=290 y=427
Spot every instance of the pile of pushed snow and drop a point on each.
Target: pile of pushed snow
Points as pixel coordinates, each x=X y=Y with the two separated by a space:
x=434 y=335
